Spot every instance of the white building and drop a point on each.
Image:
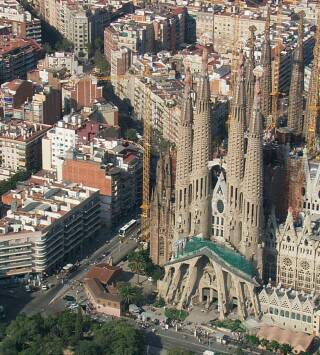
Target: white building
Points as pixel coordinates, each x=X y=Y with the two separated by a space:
x=290 y=309
x=59 y=140
x=47 y=226
x=62 y=60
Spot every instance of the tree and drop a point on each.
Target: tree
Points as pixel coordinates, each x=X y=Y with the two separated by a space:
x=129 y=294
x=101 y=63
x=264 y=343
x=79 y=326
x=178 y=351
x=273 y=346
x=11 y=183
x=239 y=351
x=86 y=347
x=119 y=337
x=252 y=340
x=285 y=349
x=175 y=314
x=131 y=134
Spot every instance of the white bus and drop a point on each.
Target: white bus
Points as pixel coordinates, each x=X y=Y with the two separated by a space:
x=131 y=229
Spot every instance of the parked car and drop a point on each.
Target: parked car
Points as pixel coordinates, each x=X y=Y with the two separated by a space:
x=69 y=298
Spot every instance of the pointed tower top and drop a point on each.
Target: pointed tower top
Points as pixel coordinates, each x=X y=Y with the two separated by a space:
x=187 y=80
x=301 y=28
x=205 y=60
x=267 y=23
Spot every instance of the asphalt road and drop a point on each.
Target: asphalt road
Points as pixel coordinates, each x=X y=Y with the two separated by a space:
x=44 y=301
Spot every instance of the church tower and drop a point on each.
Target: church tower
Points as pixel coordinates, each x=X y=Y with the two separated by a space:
x=235 y=159
x=295 y=109
x=252 y=206
x=250 y=64
x=266 y=79
x=201 y=153
x=162 y=210
x=184 y=165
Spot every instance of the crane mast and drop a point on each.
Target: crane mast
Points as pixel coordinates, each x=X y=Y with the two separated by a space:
x=145 y=208
x=312 y=111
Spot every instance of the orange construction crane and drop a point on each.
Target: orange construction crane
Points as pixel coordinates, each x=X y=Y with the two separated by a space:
x=276 y=68
x=145 y=208
x=312 y=109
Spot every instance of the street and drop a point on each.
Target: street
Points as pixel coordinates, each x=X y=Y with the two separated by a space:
x=17 y=300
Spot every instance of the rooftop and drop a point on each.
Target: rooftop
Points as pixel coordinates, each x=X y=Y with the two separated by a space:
x=22 y=132
x=225 y=255
x=37 y=203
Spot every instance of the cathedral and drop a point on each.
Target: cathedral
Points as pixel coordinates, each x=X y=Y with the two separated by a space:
x=229 y=242
x=216 y=239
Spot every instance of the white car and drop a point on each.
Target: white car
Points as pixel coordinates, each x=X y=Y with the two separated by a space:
x=150 y=279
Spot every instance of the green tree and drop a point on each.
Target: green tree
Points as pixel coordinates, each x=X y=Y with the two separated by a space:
x=285 y=349
x=79 y=326
x=119 y=337
x=131 y=134
x=252 y=340
x=11 y=183
x=86 y=347
x=129 y=294
x=101 y=63
x=175 y=314
x=273 y=346
x=179 y=351
x=264 y=343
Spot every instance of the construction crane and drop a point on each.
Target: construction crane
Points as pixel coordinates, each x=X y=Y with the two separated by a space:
x=145 y=208
x=276 y=68
x=312 y=110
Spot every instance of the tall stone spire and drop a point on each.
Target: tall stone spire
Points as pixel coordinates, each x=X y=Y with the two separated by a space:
x=249 y=76
x=235 y=158
x=201 y=182
x=184 y=164
x=295 y=109
x=252 y=207
x=266 y=79
x=162 y=211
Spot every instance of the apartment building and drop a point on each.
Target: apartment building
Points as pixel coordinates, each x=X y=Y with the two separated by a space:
x=17 y=57
x=220 y=25
x=81 y=22
x=44 y=106
x=63 y=61
x=84 y=93
x=147 y=31
x=22 y=23
x=73 y=129
x=59 y=140
x=47 y=226
x=20 y=146
x=115 y=168
x=13 y=94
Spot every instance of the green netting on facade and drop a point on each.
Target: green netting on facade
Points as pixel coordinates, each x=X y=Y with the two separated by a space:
x=228 y=256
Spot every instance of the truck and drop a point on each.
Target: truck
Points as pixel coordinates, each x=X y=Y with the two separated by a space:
x=67 y=269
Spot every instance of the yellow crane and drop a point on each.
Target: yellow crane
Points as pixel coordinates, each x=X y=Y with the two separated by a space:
x=276 y=68
x=312 y=109
x=145 y=208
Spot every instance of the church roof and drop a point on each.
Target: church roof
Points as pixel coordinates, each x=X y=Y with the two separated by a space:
x=225 y=255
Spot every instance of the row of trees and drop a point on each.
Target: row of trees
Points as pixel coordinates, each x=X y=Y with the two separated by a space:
x=11 y=183
x=140 y=263
x=57 y=334
x=273 y=345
